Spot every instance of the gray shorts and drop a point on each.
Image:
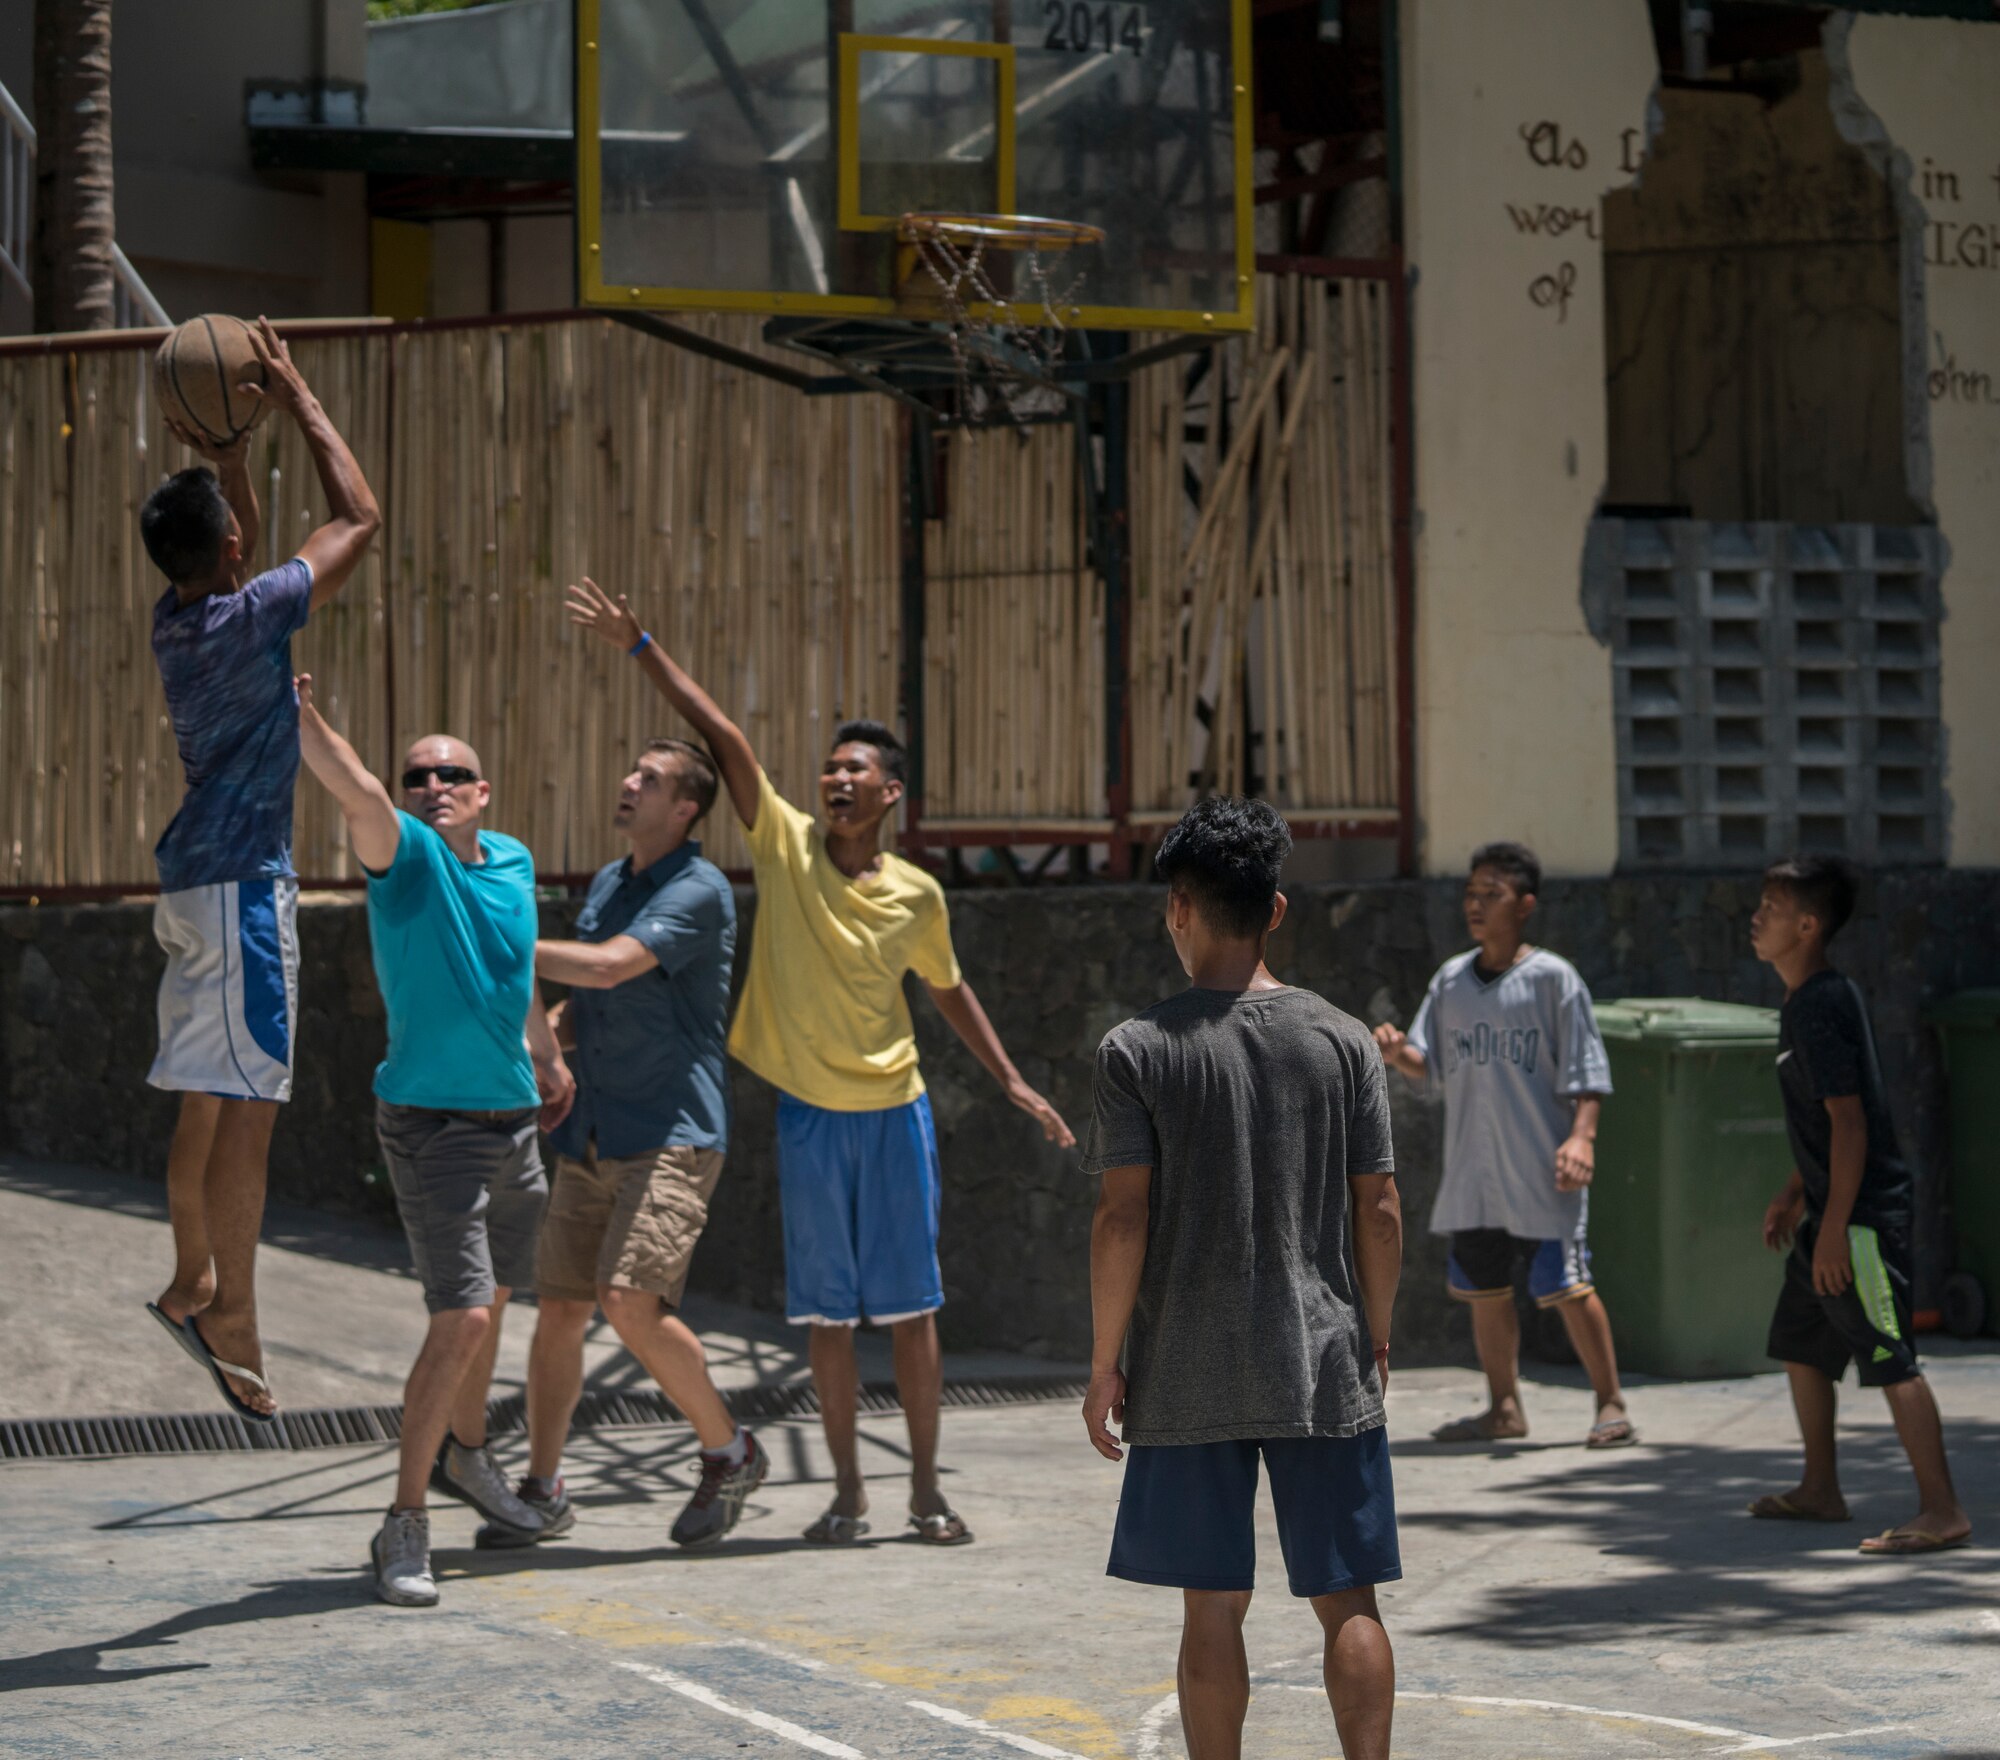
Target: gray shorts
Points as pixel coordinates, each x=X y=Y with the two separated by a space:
x=471 y=1191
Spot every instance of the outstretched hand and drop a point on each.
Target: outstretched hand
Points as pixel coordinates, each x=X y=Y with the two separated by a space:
x=1043 y=1114
x=284 y=385
x=592 y=608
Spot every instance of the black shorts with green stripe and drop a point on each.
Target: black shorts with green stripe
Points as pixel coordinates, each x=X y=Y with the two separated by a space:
x=1867 y=1324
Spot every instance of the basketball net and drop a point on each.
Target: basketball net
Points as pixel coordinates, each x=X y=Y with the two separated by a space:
x=1005 y=352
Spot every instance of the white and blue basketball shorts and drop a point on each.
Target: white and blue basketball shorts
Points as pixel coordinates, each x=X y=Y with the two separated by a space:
x=229 y=1000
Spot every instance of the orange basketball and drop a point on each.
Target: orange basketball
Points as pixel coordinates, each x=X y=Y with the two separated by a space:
x=199 y=372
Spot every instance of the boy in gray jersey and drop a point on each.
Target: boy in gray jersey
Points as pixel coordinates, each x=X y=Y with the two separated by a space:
x=1508 y=1031
x=1243 y=1266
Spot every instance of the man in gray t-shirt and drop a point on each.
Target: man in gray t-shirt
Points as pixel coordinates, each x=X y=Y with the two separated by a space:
x=1508 y=1033
x=1244 y=1260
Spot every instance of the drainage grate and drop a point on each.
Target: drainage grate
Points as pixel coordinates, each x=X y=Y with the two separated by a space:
x=80 y=1439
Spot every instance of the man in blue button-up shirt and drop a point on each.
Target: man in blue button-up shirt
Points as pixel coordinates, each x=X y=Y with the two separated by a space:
x=640 y=1153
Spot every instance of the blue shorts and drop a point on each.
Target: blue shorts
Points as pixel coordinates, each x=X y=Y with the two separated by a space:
x=1481 y=1267
x=230 y=993
x=1185 y=1516
x=860 y=1193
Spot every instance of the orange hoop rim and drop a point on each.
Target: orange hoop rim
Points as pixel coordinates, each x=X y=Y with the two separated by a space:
x=1003 y=232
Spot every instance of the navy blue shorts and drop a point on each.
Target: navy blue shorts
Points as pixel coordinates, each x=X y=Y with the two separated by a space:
x=1185 y=1517
x=860 y=1197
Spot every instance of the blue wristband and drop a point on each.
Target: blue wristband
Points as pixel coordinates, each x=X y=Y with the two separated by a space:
x=639 y=647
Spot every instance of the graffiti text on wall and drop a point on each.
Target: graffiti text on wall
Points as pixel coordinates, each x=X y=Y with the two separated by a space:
x=1549 y=146
x=1952 y=243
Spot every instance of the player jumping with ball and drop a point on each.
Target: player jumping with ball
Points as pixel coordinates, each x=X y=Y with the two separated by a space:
x=222 y=635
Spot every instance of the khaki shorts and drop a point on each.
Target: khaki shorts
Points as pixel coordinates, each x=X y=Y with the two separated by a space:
x=630 y=1221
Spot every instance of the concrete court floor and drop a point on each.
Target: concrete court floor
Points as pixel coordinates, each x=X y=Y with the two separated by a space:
x=1554 y=1604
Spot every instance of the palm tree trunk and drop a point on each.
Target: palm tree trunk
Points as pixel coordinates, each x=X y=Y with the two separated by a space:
x=74 y=230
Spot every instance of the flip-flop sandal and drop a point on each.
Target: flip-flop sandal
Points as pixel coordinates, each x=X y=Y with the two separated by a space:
x=935 y=1529
x=174 y=1331
x=1894 y=1543
x=1612 y=1433
x=1778 y=1506
x=219 y=1370
x=833 y=1529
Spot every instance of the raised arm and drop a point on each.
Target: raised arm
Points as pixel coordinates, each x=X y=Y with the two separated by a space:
x=231 y=464
x=1117 y=1257
x=1378 y=1256
x=593 y=609
x=335 y=550
x=968 y=1020
x=364 y=803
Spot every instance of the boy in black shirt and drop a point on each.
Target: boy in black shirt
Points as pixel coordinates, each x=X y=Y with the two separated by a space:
x=1243 y=1265
x=1846 y=1213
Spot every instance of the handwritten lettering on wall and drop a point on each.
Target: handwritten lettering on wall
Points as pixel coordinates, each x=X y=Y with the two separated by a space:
x=1549 y=146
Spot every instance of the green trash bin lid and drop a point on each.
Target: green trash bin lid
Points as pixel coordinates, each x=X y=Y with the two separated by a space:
x=1969 y=1008
x=1687 y=1022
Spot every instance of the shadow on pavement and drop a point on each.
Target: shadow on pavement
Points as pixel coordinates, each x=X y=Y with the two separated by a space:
x=82 y=1665
x=1681 y=1509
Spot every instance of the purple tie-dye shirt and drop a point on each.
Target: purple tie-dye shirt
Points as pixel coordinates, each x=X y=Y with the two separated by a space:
x=226 y=662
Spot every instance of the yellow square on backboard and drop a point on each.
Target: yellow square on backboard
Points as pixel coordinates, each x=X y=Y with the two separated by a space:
x=848 y=130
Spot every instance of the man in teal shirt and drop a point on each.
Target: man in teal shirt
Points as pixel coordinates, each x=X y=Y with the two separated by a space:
x=451 y=911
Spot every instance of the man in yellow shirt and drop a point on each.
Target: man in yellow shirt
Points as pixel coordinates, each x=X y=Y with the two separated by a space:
x=823 y=1020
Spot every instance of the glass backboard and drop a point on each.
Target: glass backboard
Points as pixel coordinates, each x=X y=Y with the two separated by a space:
x=756 y=155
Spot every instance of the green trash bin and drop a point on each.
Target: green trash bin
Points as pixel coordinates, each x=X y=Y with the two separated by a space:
x=1968 y=1024
x=1690 y=1153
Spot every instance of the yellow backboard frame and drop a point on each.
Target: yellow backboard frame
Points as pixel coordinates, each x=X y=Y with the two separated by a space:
x=848 y=118
x=595 y=291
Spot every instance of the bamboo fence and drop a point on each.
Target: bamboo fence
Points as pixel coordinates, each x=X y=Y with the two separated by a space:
x=89 y=775
x=756 y=532
x=1264 y=609
x=1014 y=695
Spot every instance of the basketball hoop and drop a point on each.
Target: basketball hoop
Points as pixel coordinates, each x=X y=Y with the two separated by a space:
x=985 y=279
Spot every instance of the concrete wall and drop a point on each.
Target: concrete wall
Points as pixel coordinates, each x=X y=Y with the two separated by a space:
x=1929 y=85
x=205 y=231
x=1518 y=118
x=1056 y=968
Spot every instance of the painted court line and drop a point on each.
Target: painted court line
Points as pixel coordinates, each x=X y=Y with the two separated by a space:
x=1764 y=1744
x=777 y=1726
x=1027 y=1744
x=806 y=1738
x=1148 y=1742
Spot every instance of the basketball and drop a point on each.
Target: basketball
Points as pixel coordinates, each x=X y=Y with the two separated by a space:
x=199 y=371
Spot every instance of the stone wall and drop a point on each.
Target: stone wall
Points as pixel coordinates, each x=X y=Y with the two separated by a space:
x=1055 y=967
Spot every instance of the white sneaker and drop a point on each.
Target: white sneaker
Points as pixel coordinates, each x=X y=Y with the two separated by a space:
x=471 y=1476
x=402 y=1553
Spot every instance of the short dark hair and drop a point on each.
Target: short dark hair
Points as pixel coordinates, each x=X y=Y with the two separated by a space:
x=895 y=761
x=184 y=524
x=1825 y=886
x=696 y=770
x=1517 y=861
x=1225 y=855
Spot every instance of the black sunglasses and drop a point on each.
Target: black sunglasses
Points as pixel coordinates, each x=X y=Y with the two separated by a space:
x=451 y=775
